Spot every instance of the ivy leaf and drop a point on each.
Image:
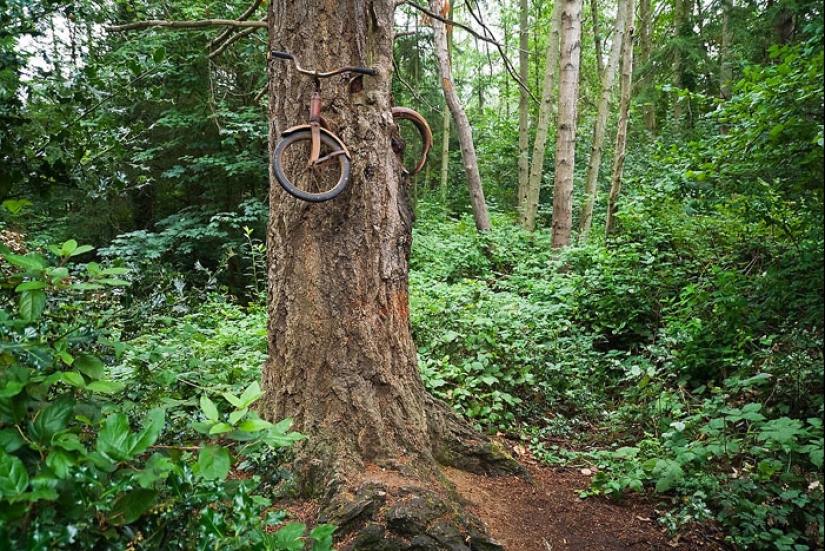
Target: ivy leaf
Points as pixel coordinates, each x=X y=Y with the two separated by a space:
x=214 y=462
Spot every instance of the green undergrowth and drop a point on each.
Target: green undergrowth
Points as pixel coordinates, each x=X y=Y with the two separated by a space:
x=146 y=442
x=685 y=357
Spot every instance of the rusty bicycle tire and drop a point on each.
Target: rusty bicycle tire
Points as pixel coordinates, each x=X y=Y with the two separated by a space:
x=311 y=183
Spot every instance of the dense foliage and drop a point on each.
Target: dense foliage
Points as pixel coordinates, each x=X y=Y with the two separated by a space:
x=682 y=357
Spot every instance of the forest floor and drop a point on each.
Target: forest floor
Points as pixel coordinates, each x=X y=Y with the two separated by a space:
x=548 y=515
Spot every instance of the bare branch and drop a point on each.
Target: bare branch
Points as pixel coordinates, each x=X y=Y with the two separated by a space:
x=231 y=40
x=226 y=32
x=491 y=39
x=184 y=24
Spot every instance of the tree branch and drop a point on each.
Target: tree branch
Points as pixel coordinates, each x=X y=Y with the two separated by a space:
x=184 y=24
x=226 y=32
x=231 y=40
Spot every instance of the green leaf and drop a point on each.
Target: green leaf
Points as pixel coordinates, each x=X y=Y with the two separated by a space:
x=237 y=415
x=157 y=467
x=149 y=435
x=322 y=534
x=32 y=304
x=82 y=249
x=669 y=473
x=781 y=430
x=59 y=462
x=220 y=428
x=289 y=537
x=13 y=476
x=214 y=462
x=11 y=440
x=113 y=438
x=129 y=507
x=254 y=425
x=91 y=366
x=68 y=247
x=105 y=387
x=30 y=286
x=251 y=394
x=31 y=261
x=52 y=419
x=234 y=400
x=74 y=379
x=209 y=409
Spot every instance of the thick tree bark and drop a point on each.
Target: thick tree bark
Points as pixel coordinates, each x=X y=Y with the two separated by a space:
x=625 y=86
x=600 y=125
x=523 y=108
x=568 y=112
x=551 y=66
x=462 y=124
x=342 y=363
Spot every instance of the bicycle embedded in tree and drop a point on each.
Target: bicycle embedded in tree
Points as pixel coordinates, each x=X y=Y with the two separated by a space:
x=311 y=162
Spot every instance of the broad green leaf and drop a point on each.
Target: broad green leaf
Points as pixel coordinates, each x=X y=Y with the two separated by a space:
x=31 y=261
x=52 y=419
x=32 y=304
x=237 y=415
x=68 y=247
x=781 y=430
x=254 y=425
x=157 y=467
x=74 y=379
x=220 y=428
x=322 y=534
x=10 y=440
x=13 y=476
x=289 y=537
x=91 y=366
x=209 y=409
x=59 y=274
x=149 y=435
x=234 y=400
x=251 y=394
x=30 y=286
x=113 y=439
x=82 y=249
x=59 y=462
x=214 y=462
x=669 y=473
x=129 y=507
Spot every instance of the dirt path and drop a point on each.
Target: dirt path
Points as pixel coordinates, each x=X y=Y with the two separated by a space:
x=549 y=516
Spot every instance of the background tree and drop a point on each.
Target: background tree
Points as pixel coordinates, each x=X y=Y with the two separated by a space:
x=570 y=59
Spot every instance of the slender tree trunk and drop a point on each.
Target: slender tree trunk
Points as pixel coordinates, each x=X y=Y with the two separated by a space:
x=446 y=119
x=597 y=35
x=679 y=22
x=551 y=65
x=465 y=133
x=626 y=84
x=725 y=54
x=341 y=362
x=568 y=112
x=523 y=107
x=645 y=49
x=600 y=125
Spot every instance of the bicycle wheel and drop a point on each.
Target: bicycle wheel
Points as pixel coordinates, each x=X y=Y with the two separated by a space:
x=316 y=182
x=416 y=140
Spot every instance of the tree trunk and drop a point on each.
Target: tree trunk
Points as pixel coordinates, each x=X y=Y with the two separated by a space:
x=446 y=120
x=625 y=86
x=523 y=108
x=600 y=125
x=597 y=36
x=645 y=49
x=465 y=133
x=341 y=361
x=679 y=22
x=568 y=112
x=551 y=65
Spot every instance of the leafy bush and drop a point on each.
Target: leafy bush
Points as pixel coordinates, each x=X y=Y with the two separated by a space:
x=75 y=471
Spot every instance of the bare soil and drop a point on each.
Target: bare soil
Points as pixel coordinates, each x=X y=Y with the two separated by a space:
x=548 y=515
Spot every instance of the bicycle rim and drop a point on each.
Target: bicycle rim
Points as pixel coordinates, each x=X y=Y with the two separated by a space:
x=311 y=182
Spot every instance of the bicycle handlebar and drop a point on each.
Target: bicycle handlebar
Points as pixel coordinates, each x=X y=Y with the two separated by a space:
x=318 y=74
